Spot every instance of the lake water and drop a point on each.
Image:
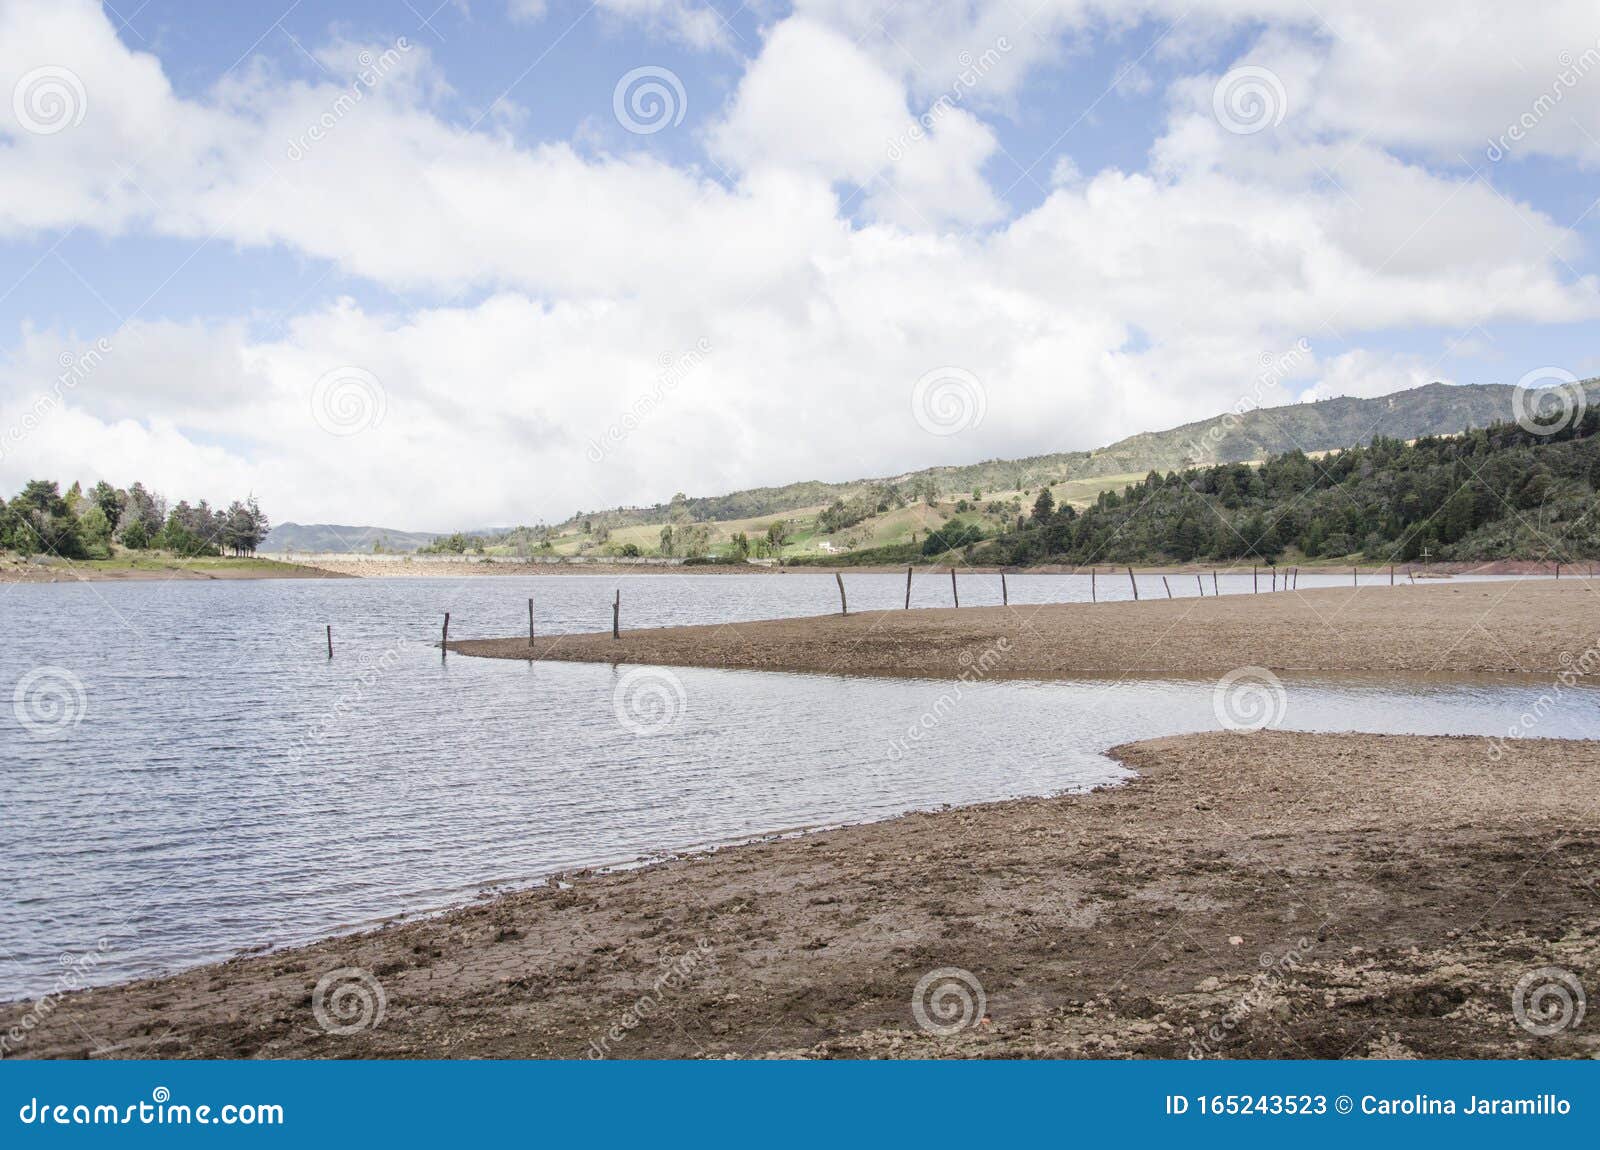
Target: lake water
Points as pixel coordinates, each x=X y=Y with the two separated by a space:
x=184 y=773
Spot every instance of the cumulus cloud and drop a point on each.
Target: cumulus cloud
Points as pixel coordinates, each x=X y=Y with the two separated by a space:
x=573 y=328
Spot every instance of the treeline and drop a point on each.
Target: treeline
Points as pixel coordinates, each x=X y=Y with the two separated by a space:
x=89 y=524
x=1496 y=493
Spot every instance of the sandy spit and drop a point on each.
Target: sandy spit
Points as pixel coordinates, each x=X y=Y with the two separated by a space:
x=1531 y=626
x=1268 y=895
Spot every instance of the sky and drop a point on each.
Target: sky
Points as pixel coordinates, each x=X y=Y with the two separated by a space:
x=495 y=262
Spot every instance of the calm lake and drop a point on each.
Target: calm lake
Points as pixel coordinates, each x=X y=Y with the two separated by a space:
x=184 y=773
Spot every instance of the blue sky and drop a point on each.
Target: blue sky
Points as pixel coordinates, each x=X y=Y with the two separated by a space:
x=479 y=261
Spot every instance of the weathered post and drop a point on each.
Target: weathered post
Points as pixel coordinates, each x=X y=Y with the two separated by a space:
x=530 y=620
x=1391 y=574
x=908 y=588
x=1199 y=586
x=1094 y=596
x=616 y=615
x=844 y=607
x=1255 y=581
x=330 y=640
x=1354 y=582
x=1167 y=585
x=1005 y=597
x=1134 y=583
x=1558 y=569
x=1214 y=590
x=444 y=640
x=1274 y=578
x=954 y=594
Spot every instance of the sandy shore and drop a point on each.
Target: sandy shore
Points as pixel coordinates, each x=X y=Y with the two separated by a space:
x=1523 y=626
x=158 y=571
x=1268 y=895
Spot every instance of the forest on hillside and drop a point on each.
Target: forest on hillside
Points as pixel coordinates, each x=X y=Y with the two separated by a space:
x=1497 y=492
x=81 y=524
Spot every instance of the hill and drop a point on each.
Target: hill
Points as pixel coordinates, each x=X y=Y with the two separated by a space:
x=333 y=537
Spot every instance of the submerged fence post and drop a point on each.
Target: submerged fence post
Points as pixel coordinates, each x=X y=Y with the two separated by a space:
x=1274 y=578
x=1214 y=590
x=616 y=615
x=1094 y=596
x=1005 y=598
x=530 y=620
x=444 y=640
x=1167 y=585
x=1134 y=583
x=1255 y=581
x=954 y=594
x=908 y=588
x=844 y=607
x=330 y=640
x=1200 y=586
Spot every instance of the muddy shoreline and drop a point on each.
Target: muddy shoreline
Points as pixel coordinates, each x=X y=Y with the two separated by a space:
x=1268 y=895
x=1530 y=626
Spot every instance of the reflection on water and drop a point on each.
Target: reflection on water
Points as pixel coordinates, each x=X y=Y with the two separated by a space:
x=214 y=782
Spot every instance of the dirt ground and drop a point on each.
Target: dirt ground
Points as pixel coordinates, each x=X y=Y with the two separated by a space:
x=64 y=571
x=1267 y=895
x=1533 y=625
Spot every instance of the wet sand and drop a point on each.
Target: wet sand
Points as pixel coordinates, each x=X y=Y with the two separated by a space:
x=1530 y=626
x=1268 y=895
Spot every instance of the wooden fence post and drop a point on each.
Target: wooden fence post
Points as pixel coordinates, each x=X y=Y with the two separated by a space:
x=530 y=620
x=1094 y=596
x=445 y=639
x=1134 y=584
x=1255 y=581
x=844 y=607
x=1274 y=578
x=1201 y=587
x=1214 y=590
x=908 y=588
x=954 y=594
x=1167 y=585
x=330 y=640
x=1354 y=581
x=616 y=615
x=1005 y=597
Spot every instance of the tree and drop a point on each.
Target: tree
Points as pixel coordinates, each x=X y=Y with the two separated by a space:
x=110 y=501
x=1044 y=506
x=666 y=540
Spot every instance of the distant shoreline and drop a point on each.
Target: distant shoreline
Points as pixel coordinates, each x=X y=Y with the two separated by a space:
x=146 y=569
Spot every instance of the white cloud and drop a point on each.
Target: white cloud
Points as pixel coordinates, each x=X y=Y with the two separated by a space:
x=1121 y=302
